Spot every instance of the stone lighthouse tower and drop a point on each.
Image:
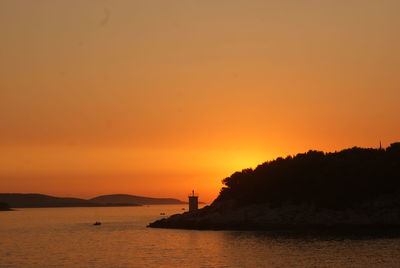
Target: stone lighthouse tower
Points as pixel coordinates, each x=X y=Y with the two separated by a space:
x=193 y=202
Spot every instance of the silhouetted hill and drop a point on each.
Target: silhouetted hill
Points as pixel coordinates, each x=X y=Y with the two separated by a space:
x=125 y=198
x=355 y=186
x=326 y=180
x=39 y=200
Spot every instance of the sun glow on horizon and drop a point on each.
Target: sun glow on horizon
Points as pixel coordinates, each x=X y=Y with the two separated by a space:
x=162 y=97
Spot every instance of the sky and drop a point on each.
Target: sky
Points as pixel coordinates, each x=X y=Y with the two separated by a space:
x=159 y=97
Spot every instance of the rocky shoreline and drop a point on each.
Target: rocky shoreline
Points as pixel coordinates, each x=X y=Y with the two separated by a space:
x=226 y=216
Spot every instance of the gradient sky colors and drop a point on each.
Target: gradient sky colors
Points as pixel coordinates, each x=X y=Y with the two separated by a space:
x=160 y=97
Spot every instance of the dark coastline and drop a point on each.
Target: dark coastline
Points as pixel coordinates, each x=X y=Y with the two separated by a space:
x=293 y=230
x=351 y=191
x=285 y=219
x=284 y=222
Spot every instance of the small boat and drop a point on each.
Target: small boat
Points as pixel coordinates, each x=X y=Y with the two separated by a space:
x=97 y=223
x=162 y=213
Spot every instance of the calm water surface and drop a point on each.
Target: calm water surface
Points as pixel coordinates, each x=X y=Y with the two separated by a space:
x=65 y=237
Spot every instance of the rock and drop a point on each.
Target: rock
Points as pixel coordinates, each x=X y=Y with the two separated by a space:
x=265 y=217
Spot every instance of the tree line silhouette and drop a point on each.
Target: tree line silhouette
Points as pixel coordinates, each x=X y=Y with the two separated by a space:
x=325 y=180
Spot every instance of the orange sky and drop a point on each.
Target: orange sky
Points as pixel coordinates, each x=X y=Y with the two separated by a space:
x=159 y=97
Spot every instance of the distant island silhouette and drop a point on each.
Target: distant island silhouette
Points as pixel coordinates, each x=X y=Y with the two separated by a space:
x=16 y=200
x=140 y=200
x=354 y=187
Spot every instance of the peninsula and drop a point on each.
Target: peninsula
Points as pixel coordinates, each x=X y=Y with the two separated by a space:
x=357 y=187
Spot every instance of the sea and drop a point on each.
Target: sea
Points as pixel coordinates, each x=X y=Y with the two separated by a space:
x=66 y=237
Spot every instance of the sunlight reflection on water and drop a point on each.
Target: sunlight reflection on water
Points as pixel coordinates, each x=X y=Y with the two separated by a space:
x=66 y=237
